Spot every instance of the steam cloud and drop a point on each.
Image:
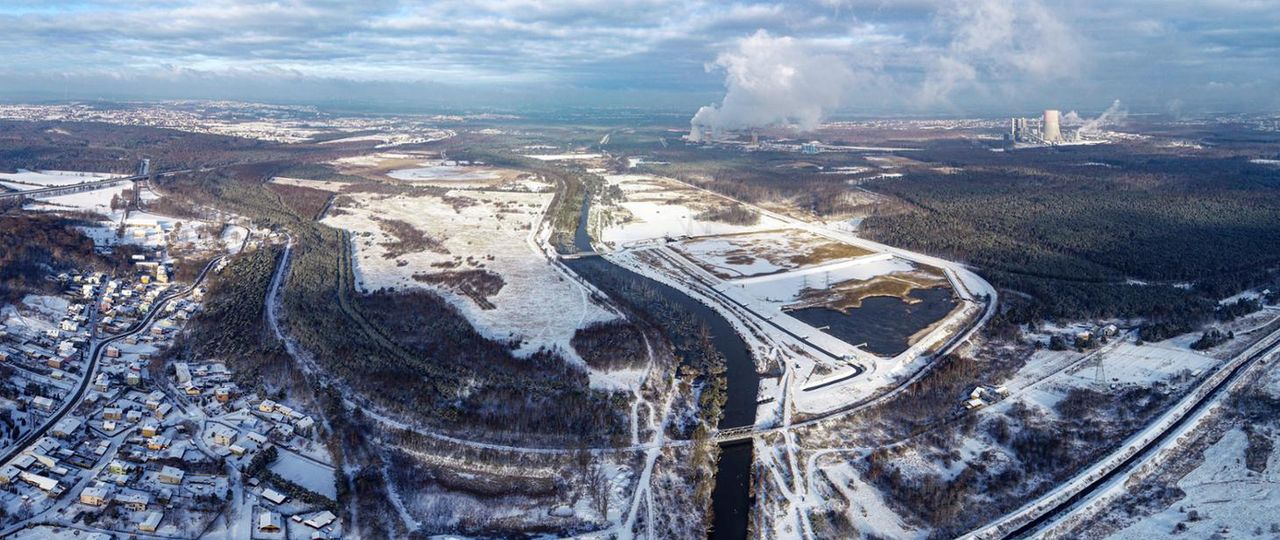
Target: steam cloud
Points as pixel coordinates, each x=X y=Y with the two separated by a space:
x=775 y=81
x=1115 y=114
x=772 y=81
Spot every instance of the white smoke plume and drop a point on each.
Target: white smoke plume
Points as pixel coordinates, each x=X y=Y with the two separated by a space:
x=774 y=81
x=1115 y=114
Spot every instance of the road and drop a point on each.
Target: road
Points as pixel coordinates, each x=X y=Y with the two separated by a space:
x=86 y=186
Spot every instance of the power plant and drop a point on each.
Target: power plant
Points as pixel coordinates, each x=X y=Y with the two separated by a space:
x=1044 y=130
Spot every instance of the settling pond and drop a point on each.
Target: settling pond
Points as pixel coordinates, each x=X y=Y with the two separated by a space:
x=884 y=323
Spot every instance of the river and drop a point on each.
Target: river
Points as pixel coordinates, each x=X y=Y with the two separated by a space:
x=731 y=497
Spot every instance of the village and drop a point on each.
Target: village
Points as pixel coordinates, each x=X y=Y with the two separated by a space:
x=101 y=433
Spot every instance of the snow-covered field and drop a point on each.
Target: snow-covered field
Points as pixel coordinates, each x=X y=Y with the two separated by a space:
x=25 y=180
x=306 y=473
x=97 y=201
x=430 y=169
x=782 y=289
x=1223 y=493
x=1046 y=379
x=395 y=139
x=490 y=231
x=656 y=208
x=443 y=171
x=322 y=185
x=767 y=252
x=564 y=157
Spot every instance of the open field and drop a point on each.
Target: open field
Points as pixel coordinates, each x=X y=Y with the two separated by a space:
x=766 y=252
x=652 y=208
x=476 y=249
x=431 y=169
x=322 y=185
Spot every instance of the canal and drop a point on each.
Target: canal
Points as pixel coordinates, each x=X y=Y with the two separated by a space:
x=731 y=496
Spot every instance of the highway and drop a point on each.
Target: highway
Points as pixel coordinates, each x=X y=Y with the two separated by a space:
x=96 y=184
x=95 y=354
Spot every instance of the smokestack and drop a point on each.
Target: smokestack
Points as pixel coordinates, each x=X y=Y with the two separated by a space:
x=1050 y=131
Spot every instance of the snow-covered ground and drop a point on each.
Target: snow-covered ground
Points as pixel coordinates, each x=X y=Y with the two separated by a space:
x=563 y=157
x=25 y=180
x=322 y=185
x=97 y=201
x=307 y=473
x=395 y=139
x=443 y=171
x=656 y=208
x=1223 y=493
x=752 y=254
x=494 y=232
x=783 y=289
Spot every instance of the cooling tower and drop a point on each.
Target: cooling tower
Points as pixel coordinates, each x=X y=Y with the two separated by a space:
x=695 y=133
x=1049 y=131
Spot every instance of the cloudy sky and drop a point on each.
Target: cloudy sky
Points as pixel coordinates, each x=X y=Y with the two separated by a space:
x=809 y=57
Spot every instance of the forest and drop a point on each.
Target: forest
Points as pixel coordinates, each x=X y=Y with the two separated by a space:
x=35 y=247
x=99 y=147
x=1148 y=236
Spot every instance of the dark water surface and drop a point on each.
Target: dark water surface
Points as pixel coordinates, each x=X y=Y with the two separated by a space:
x=884 y=323
x=731 y=496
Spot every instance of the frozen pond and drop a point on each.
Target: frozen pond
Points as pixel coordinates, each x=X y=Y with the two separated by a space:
x=442 y=172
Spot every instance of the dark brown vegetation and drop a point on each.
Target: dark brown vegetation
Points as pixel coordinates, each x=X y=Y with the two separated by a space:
x=463 y=375
x=611 y=345
x=86 y=146
x=478 y=285
x=304 y=201
x=231 y=325
x=407 y=239
x=35 y=247
x=731 y=213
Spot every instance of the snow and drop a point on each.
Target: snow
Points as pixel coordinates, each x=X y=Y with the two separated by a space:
x=1223 y=492
x=867 y=508
x=97 y=201
x=396 y=139
x=322 y=185
x=538 y=304
x=25 y=180
x=563 y=157
x=717 y=253
x=659 y=208
x=781 y=289
x=307 y=473
x=233 y=237
x=439 y=170
x=766 y=252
